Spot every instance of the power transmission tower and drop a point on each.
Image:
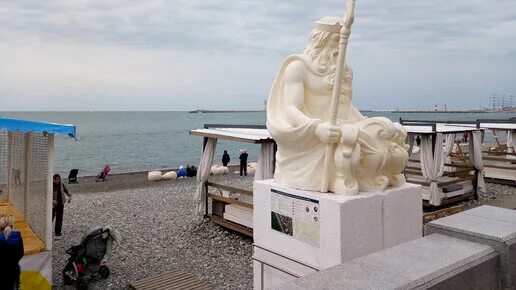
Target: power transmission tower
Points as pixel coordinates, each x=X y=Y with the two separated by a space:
x=493 y=101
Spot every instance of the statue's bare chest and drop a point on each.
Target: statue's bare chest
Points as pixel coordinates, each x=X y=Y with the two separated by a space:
x=318 y=85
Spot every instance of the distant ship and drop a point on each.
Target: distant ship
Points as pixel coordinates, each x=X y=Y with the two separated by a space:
x=200 y=111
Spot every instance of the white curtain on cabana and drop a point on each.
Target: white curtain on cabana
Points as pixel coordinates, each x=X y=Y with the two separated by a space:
x=410 y=140
x=448 y=147
x=432 y=165
x=511 y=141
x=475 y=156
x=265 y=168
x=203 y=173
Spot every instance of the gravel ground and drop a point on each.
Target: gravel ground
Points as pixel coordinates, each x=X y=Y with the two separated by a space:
x=493 y=191
x=159 y=232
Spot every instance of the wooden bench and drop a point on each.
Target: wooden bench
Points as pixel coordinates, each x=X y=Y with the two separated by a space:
x=171 y=280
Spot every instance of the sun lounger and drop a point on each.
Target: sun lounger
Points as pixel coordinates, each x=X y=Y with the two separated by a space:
x=72 y=177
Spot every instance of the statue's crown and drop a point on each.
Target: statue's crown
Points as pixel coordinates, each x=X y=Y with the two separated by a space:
x=335 y=27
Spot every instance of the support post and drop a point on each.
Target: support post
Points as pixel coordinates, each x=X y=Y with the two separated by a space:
x=50 y=173
x=204 y=142
x=26 y=145
x=206 y=200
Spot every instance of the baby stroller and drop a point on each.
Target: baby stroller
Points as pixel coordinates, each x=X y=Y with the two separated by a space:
x=103 y=174
x=87 y=260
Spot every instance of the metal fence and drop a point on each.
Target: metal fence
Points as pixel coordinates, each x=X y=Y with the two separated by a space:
x=16 y=159
x=37 y=191
x=24 y=176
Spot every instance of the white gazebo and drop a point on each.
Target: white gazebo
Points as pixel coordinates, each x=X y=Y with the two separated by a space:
x=440 y=186
x=500 y=160
x=26 y=170
x=227 y=211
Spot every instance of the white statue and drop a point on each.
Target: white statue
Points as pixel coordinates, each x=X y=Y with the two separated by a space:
x=367 y=154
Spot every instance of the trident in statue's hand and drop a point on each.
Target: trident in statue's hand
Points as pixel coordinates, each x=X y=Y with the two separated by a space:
x=343 y=43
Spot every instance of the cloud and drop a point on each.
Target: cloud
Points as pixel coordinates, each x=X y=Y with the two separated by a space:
x=128 y=54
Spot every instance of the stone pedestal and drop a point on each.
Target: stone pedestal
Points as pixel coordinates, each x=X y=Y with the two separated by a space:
x=487 y=225
x=298 y=232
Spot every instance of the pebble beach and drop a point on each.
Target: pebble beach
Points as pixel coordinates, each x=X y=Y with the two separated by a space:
x=160 y=231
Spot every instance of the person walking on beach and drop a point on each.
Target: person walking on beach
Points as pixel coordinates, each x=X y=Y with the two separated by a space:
x=418 y=141
x=58 y=203
x=11 y=252
x=243 y=162
x=225 y=158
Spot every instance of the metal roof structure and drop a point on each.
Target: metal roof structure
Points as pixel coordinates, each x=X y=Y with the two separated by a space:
x=437 y=128
x=260 y=134
x=459 y=126
x=26 y=126
x=242 y=133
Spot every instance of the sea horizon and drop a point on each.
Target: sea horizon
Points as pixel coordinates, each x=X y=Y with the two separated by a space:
x=409 y=110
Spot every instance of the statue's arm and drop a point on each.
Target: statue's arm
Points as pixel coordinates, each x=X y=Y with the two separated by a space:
x=294 y=93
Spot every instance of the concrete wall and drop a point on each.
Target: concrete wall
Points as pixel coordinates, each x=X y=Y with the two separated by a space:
x=475 y=249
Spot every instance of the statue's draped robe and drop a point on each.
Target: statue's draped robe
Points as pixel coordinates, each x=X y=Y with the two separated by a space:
x=300 y=156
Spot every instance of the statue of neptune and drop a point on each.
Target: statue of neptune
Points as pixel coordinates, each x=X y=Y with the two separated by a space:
x=370 y=153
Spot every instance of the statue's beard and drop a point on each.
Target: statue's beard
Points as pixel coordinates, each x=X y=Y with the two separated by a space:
x=326 y=60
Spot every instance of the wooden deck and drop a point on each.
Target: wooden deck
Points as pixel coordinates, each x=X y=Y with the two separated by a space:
x=171 y=280
x=434 y=215
x=219 y=203
x=231 y=225
x=31 y=243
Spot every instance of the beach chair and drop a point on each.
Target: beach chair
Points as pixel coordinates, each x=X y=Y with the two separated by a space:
x=72 y=177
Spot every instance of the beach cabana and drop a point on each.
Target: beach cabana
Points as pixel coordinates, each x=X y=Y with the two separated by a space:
x=26 y=169
x=443 y=180
x=229 y=212
x=500 y=159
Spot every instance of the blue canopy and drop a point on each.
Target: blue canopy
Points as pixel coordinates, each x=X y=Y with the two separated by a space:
x=37 y=127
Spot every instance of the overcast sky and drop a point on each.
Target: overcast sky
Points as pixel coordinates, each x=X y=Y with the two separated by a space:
x=221 y=54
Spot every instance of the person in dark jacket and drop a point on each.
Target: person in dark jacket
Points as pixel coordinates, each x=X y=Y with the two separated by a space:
x=189 y=171
x=11 y=252
x=243 y=162
x=194 y=171
x=418 y=141
x=58 y=203
x=225 y=158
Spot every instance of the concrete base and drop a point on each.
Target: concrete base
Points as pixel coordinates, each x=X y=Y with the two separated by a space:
x=298 y=232
x=432 y=262
x=486 y=225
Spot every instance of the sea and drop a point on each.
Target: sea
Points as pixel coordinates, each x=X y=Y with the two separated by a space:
x=142 y=141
